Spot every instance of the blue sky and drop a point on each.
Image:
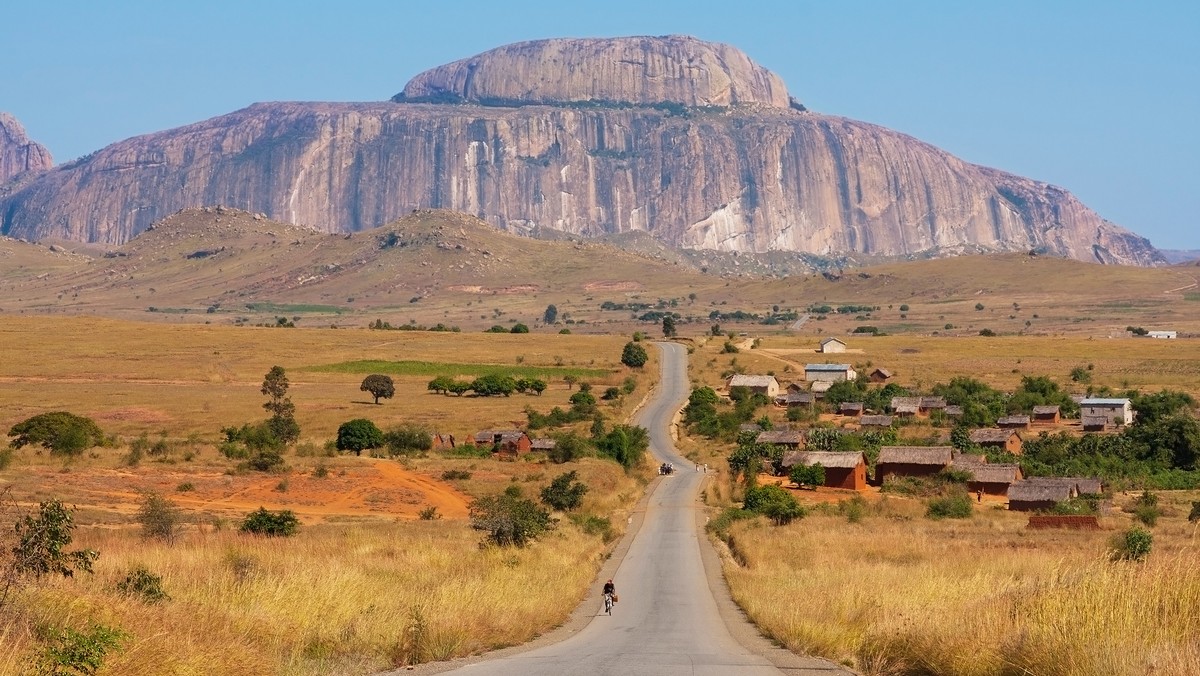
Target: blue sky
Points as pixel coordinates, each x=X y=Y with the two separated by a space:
x=1101 y=97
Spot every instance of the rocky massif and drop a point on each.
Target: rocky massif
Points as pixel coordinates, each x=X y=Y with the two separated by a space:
x=689 y=141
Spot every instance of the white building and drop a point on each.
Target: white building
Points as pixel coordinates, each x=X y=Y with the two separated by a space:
x=830 y=373
x=1171 y=335
x=1118 y=412
x=832 y=345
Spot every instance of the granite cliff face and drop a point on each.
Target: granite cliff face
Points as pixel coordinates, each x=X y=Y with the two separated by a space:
x=718 y=160
x=17 y=153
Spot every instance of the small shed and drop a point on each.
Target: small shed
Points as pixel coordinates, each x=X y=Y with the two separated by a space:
x=797 y=387
x=875 y=421
x=1013 y=422
x=792 y=439
x=757 y=384
x=820 y=387
x=880 y=375
x=1046 y=415
x=830 y=345
x=929 y=404
x=1094 y=423
x=954 y=411
x=852 y=408
x=992 y=479
x=916 y=461
x=830 y=373
x=999 y=439
x=842 y=470
x=543 y=445
x=969 y=459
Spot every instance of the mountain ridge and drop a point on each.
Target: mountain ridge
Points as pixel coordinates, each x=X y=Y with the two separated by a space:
x=753 y=177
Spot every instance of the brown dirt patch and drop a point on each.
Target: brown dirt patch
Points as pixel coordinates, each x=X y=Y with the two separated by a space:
x=368 y=489
x=612 y=286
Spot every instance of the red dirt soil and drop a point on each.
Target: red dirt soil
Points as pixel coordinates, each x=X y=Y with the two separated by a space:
x=375 y=489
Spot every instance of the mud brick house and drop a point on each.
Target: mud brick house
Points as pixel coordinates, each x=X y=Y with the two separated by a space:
x=1094 y=423
x=880 y=375
x=792 y=439
x=1042 y=493
x=757 y=384
x=918 y=461
x=842 y=470
x=875 y=421
x=991 y=479
x=1002 y=440
x=506 y=443
x=1013 y=422
x=1046 y=415
x=852 y=408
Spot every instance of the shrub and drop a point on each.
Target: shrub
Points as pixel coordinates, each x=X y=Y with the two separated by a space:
x=70 y=652
x=508 y=519
x=158 y=516
x=358 y=435
x=61 y=432
x=611 y=393
x=267 y=460
x=853 y=509
x=720 y=525
x=407 y=439
x=185 y=487
x=978 y=307
x=271 y=524
x=1132 y=545
x=987 y=333
x=564 y=493
x=807 y=475
x=595 y=525
x=773 y=502
x=729 y=348
x=955 y=506
x=429 y=513
x=453 y=474
x=519 y=328
x=144 y=585
x=41 y=539
x=1194 y=515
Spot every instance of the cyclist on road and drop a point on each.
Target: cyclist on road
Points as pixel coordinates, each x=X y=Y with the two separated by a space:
x=610 y=596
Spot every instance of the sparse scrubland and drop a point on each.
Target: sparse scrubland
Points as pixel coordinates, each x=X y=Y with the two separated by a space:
x=375 y=563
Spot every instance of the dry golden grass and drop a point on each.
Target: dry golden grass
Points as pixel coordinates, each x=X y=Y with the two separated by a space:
x=138 y=377
x=899 y=594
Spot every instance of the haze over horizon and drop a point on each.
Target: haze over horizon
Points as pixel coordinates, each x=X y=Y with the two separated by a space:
x=1095 y=97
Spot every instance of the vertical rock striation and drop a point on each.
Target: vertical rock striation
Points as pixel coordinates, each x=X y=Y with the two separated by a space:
x=562 y=134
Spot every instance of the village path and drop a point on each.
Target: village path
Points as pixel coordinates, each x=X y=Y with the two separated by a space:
x=675 y=616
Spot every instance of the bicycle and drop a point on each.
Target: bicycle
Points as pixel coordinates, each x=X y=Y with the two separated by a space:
x=608 y=603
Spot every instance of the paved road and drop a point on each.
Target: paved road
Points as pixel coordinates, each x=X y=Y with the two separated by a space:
x=668 y=622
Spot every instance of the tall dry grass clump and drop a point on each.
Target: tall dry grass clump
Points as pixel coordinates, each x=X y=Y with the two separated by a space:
x=894 y=595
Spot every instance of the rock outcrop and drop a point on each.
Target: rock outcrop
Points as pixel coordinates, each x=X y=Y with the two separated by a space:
x=747 y=173
x=675 y=69
x=18 y=154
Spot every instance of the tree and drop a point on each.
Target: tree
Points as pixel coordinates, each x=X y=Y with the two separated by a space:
x=550 y=315
x=564 y=493
x=379 y=386
x=358 y=435
x=283 y=412
x=519 y=328
x=508 y=519
x=625 y=444
x=668 y=326
x=634 y=355
x=62 y=432
x=493 y=384
x=440 y=384
x=570 y=379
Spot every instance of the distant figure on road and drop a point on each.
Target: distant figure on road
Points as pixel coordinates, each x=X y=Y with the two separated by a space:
x=610 y=596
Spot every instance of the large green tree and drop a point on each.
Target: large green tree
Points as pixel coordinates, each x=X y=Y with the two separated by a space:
x=359 y=435
x=62 y=432
x=379 y=385
x=634 y=355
